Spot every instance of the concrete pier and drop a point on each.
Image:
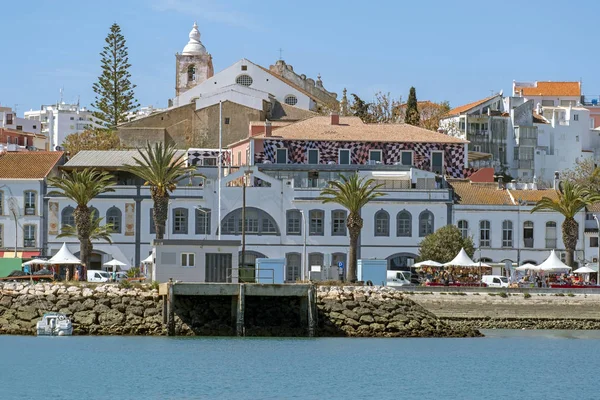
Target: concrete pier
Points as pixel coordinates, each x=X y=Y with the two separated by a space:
x=238 y=293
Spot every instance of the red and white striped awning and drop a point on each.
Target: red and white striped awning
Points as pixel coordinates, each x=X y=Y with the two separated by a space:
x=20 y=254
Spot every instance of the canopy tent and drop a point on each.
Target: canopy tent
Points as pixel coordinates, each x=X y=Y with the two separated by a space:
x=36 y=262
x=64 y=256
x=148 y=260
x=481 y=264
x=553 y=264
x=528 y=267
x=116 y=263
x=461 y=260
x=584 y=270
x=428 y=263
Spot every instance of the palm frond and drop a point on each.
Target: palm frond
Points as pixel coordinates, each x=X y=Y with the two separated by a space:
x=572 y=198
x=82 y=186
x=352 y=192
x=97 y=232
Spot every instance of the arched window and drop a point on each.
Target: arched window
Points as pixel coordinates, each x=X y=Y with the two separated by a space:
x=291 y=100
x=528 y=234
x=114 y=216
x=463 y=227
x=507 y=234
x=66 y=217
x=191 y=72
x=550 y=235
x=244 y=80
x=426 y=222
x=293 y=265
x=258 y=222
x=382 y=223
x=484 y=234
x=404 y=224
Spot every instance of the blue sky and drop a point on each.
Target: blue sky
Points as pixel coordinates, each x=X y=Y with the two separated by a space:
x=449 y=50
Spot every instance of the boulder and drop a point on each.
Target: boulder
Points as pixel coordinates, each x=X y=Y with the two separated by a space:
x=111 y=317
x=84 y=318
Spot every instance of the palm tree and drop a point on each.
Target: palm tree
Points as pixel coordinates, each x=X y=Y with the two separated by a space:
x=161 y=168
x=97 y=231
x=82 y=187
x=572 y=198
x=353 y=193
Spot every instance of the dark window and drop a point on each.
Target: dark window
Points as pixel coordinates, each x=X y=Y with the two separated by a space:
x=594 y=241
x=404 y=224
x=202 y=221
x=316 y=221
x=313 y=156
x=152 y=227
x=338 y=223
x=406 y=158
x=180 y=221
x=191 y=73
x=227 y=121
x=437 y=162
x=29 y=236
x=258 y=222
x=528 y=234
x=29 y=196
x=484 y=234
x=344 y=157
x=66 y=217
x=294 y=222
x=244 y=67
x=281 y=156
x=382 y=223
x=315 y=259
x=375 y=155
x=463 y=227
x=113 y=216
x=426 y=223
x=293 y=265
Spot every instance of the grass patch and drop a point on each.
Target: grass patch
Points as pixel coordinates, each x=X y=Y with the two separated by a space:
x=526 y=296
x=559 y=294
x=491 y=294
x=503 y=295
x=570 y=295
x=475 y=294
x=154 y=285
x=444 y=293
x=125 y=284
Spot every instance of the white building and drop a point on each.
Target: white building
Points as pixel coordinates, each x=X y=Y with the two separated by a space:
x=59 y=120
x=22 y=201
x=9 y=120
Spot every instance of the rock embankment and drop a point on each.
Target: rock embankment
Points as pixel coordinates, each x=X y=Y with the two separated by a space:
x=379 y=312
x=94 y=309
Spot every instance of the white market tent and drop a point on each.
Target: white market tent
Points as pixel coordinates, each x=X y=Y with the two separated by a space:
x=147 y=260
x=553 y=264
x=64 y=256
x=36 y=262
x=462 y=260
x=584 y=270
x=428 y=263
x=116 y=263
x=528 y=267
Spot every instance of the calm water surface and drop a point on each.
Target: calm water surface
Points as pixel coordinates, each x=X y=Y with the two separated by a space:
x=504 y=365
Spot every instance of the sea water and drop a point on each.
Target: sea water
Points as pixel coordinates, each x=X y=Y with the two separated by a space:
x=503 y=365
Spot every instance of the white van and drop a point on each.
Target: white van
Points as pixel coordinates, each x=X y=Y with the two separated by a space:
x=97 y=276
x=495 y=280
x=398 y=278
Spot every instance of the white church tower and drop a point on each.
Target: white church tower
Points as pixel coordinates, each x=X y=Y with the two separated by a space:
x=194 y=64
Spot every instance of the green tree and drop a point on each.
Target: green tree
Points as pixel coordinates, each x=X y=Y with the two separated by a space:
x=585 y=174
x=97 y=231
x=444 y=244
x=571 y=198
x=412 y=113
x=353 y=193
x=92 y=139
x=359 y=108
x=114 y=90
x=81 y=187
x=161 y=168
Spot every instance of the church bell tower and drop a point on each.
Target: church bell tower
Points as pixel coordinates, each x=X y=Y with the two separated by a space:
x=194 y=64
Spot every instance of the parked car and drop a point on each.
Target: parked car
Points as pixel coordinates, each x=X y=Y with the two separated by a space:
x=121 y=276
x=97 y=276
x=398 y=278
x=495 y=280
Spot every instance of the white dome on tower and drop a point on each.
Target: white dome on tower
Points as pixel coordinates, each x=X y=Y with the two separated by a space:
x=194 y=46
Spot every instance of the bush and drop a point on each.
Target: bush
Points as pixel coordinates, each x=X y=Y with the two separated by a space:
x=125 y=284
x=527 y=296
x=560 y=294
x=503 y=295
x=154 y=285
x=491 y=294
x=570 y=295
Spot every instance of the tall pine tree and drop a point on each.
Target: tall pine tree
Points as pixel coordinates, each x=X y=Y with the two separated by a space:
x=412 y=113
x=114 y=90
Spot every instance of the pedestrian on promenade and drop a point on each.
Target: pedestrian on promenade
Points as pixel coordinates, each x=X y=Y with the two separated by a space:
x=68 y=275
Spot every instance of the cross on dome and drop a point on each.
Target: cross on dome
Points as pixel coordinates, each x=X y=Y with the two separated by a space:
x=194 y=46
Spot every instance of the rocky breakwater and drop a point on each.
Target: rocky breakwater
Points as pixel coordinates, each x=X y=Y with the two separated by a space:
x=379 y=312
x=93 y=309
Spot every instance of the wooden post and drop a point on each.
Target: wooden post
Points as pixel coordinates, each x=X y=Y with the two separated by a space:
x=240 y=329
x=312 y=311
x=170 y=309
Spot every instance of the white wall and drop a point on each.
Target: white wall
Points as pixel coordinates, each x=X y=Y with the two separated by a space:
x=15 y=189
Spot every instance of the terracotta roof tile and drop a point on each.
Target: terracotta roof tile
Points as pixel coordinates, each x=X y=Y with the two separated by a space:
x=353 y=129
x=594 y=208
x=533 y=196
x=467 y=107
x=28 y=164
x=550 y=89
x=467 y=192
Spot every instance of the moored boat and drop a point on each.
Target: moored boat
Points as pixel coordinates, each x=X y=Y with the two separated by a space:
x=54 y=324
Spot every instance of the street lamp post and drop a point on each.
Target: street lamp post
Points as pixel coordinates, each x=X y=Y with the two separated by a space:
x=303 y=275
x=598 y=259
x=247 y=174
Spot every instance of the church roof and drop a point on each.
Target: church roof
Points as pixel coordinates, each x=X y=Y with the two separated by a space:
x=194 y=46
x=287 y=82
x=285 y=112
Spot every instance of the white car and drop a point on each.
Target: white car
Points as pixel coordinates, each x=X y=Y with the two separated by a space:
x=97 y=276
x=495 y=280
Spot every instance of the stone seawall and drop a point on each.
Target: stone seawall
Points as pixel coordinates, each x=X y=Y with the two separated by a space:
x=106 y=309
x=483 y=310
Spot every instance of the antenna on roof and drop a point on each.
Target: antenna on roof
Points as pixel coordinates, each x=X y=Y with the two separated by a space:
x=491 y=92
x=280 y=53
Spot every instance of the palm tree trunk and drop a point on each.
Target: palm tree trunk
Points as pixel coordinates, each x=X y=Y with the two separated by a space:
x=83 y=224
x=570 y=230
x=354 y=224
x=160 y=214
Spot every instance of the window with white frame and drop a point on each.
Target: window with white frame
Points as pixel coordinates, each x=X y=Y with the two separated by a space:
x=406 y=157
x=29 y=197
x=316 y=222
x=484 y=234
x=313 y=156
x=551 y=235
x=29 y=235
x=374 y=156
x=338 y=223
x=344 y=157
x=244 y=80
x=180 y=221
x=507 y=234
x=463 y=227
x=188 y=259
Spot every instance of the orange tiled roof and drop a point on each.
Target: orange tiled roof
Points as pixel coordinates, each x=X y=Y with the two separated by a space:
x=550 y=89
x=28 y=164
x=594 y=208
x=533 y=196
x=467 y=192
x=353 y=129
x=467 y=107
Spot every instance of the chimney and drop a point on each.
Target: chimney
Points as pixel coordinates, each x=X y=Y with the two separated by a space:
x=268 y=128
x=335 y=118
x=556 y=180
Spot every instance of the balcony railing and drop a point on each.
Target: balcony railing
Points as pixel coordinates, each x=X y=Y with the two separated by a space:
x=29 y=243
x=29 y=210
x=525 y=164
x=528 y=242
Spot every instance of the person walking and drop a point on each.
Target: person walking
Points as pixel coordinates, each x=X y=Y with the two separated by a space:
x=114 y=275
x=68 y=275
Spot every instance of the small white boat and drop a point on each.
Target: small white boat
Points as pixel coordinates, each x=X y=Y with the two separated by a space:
x=54 y=324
